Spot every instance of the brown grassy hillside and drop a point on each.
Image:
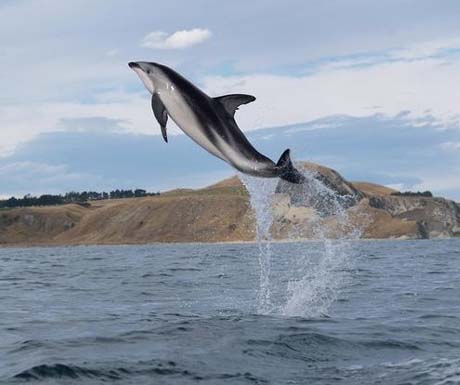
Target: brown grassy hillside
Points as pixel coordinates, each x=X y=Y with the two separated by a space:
x=218 y=213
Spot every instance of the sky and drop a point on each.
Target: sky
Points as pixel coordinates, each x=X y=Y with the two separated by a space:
x=382 y=75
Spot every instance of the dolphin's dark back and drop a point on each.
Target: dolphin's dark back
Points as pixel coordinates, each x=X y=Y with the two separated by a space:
x=213 y=117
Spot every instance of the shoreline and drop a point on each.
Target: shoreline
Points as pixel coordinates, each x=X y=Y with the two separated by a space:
x=299 y=240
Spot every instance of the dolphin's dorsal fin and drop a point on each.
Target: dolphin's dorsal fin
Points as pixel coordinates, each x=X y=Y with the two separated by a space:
x=233 y=101
x=161 y=114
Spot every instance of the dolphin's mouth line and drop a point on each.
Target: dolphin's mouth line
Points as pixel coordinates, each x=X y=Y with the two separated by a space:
x=134 y=65
x=148 y=82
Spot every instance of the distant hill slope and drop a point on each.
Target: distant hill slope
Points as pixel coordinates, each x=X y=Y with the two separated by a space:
x=372 y=188
x=222 y=213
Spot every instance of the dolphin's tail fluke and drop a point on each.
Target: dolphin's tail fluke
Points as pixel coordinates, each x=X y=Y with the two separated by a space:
x=287 y=170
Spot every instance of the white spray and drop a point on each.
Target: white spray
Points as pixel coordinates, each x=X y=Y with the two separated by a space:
x=319 y=270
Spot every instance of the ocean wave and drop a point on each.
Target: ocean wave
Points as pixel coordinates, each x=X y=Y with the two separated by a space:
x=45 y=371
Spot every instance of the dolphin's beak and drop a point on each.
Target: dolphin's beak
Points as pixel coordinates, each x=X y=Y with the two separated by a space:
x=148 y=82
x=134 y=65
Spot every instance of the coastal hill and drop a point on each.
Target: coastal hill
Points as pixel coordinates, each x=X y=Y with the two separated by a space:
x=222 y=213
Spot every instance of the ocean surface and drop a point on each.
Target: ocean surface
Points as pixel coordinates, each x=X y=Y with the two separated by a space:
x=361 y=312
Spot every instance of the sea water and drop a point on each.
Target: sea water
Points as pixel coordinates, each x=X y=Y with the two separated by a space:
x=186 y=314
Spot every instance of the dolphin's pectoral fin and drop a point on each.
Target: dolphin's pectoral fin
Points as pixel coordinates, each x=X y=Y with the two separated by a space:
x=164 y=134
x=233 y=101
x=161 y=114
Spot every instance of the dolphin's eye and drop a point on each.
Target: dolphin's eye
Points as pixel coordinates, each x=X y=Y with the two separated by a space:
x=148 y=71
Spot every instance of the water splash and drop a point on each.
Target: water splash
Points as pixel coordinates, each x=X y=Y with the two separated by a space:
x=319 y=271
x=261 y=192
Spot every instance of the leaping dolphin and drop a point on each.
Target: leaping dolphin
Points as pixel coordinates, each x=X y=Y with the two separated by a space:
x=209 y=121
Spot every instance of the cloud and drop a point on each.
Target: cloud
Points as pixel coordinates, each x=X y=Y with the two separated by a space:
x=450 y=146
x=427 y=88
x=113 y=52
x=92 y=124
x=130 y=112
x=375 y=149
x=177 y=40
x=396 y=186
x=104 y=160
x=446 y=184
x=26 y=177
x=430 y=48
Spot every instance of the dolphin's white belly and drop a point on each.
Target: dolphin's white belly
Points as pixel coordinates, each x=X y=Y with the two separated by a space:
x=239 y=161
x=185 y=118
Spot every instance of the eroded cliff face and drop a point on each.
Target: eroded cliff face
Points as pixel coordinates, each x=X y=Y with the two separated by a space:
x=222 y=213
x=435 y=217
x=37 y=225
x=370 y=210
